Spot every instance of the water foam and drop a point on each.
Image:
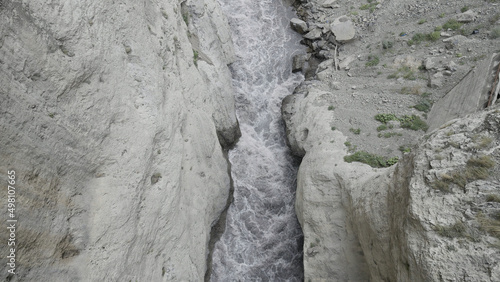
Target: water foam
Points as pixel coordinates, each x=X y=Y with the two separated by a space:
x=262 y=240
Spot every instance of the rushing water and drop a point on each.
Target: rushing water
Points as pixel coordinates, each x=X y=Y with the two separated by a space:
x=262 y=240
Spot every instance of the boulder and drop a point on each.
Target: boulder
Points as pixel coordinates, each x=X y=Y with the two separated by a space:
x=315 y=33
x=430 y=63
x=343 y=29
x=466 y=17
x=298 y=25
x=298 y=62
x=329 y=4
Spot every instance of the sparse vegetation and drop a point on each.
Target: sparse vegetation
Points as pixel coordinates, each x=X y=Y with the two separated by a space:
x=356 y=131
x=387 y=44
x=492 y=226
x=381 y=127
x=452 y=24
x=413 y=122
x=420 y=37
x=350 y=147
x=369 y=6
x=493 y=198
x=371 y=159
x=404 y=72
x=476 y=168
x=495 y=33
x=464 y=9
x=422 y=21
x=413 y=90
x=195 y=57
x=389 y=134
x=404 y=149
x=424 y=105
x=482 y=141
x=384 y=118
x=452 y=231
x=372 y=61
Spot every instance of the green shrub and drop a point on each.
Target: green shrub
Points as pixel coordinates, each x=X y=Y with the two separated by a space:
x=387 y=44
x=464 y=9
x=404 y=149
x=413 y=122
x=371 y=159
x=424 y=105
x=422 y=21
x=195 y=57
x=382 y=127
x=356 y=131
x=384 y=118
x=452 y=24
x=331 y=108
x=438 y=28
x=373 y=61
x=433 y=36
x=370 y=6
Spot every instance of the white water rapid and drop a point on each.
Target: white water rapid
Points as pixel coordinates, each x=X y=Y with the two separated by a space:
x=262 y=240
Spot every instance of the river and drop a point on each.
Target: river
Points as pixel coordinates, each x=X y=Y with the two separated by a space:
x=262 y=240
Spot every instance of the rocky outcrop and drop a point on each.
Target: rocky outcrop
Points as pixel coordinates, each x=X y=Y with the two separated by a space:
x=113 y=117
x=468 y=96
x=431 y=217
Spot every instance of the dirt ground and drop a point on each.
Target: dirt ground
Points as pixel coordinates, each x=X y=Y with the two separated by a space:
x=406 y=54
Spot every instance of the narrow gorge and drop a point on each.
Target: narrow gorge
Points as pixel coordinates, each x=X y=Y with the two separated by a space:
x=270 y=140
x=262 y=239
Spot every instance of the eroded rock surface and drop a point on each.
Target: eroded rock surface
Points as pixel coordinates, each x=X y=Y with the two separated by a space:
x=431 y=217
x=113 y=116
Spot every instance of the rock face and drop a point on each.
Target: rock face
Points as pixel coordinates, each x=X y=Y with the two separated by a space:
x=431 y=217
x=468 y=96
x=113 y=116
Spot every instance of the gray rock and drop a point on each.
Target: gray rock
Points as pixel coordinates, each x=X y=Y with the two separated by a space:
x=430 y=63
x=313 y=34
x=466 y=17
x=329 y=4
x=343 y=29
x=435 y=80
x=298 y=62
x=451 y=66
x=298 y=25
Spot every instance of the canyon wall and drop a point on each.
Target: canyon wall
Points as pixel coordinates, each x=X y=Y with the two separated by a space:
x=434 y=216
x=114 y=115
